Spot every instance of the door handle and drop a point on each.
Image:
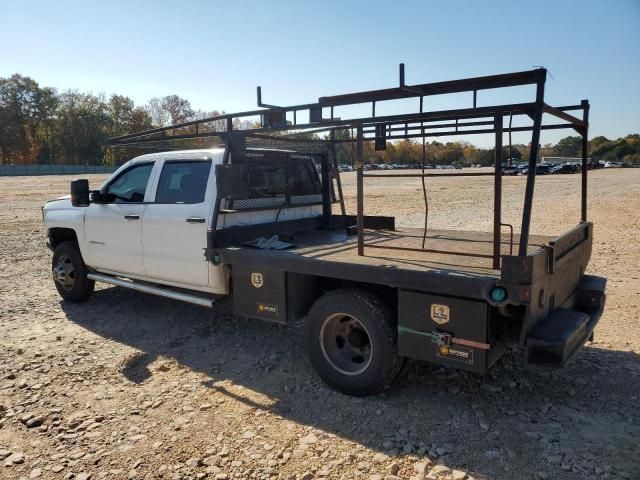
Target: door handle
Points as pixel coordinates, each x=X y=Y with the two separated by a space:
x=132 y=217
x=195 y=220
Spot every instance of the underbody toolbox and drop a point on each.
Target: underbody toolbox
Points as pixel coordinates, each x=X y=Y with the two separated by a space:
x=446 y=330
x=271 y=294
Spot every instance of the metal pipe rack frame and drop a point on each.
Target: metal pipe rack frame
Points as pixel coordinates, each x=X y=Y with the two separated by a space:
x=382 y=128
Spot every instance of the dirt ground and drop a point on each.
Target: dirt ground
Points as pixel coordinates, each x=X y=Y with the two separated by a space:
x=135 y=386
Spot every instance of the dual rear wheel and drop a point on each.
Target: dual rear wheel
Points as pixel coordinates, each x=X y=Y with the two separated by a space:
x=351 y=339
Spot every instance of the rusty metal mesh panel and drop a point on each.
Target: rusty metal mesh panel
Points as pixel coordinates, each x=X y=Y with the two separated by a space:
x=317 y=159
x=280 y=180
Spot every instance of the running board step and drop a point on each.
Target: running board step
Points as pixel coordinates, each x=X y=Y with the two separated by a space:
x=145 y=287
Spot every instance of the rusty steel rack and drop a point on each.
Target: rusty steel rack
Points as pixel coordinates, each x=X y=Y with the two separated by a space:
x=281 y=124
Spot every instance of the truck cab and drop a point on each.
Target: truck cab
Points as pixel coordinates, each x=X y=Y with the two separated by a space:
x=151 y=219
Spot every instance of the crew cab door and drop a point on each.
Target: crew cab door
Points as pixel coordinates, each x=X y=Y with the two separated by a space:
x=174 y=228
x=113 y=230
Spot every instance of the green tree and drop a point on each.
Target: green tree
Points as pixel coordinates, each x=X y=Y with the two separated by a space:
x=625 y=149
x=82 y=128
x=23 y=108
x=120 y=115
x=568 y=147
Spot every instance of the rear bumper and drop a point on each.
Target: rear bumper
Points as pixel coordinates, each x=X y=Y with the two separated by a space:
x=556 y=339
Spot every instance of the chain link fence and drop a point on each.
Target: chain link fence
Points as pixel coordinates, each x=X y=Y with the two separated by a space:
x=24 y=170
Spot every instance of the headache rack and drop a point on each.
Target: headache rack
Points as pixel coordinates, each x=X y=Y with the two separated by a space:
x=293 y=124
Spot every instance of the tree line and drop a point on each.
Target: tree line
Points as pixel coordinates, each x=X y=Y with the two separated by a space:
x=39 y=125
x=625 y=150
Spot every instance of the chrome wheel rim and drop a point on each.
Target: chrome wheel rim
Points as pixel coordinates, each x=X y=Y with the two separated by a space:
x=346 y=344
x=64 y=273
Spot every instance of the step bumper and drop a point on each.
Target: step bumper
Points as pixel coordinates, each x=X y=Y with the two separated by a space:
x=554 y=341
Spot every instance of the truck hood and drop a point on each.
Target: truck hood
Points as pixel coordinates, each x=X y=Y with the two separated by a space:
x=59 y=203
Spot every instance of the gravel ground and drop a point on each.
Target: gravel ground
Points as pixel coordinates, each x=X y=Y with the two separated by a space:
x=134 y=386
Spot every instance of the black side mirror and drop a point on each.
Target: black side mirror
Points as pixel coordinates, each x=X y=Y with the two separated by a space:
x=80 y=192
x=96 y=196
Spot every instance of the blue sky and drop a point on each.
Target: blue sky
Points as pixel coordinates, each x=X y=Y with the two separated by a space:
x=215 y=53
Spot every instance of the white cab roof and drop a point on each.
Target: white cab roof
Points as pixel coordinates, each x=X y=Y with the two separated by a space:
x=180 y=155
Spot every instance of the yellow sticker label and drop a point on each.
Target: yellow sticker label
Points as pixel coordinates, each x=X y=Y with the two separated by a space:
x=455 y=353
x=440 y=313
x=257 y=280
x=268 y=308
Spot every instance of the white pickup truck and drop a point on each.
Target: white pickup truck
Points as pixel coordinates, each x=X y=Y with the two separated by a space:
x=258 y=226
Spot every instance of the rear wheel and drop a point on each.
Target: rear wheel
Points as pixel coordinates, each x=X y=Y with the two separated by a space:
x=70 y=273
x=352 y=342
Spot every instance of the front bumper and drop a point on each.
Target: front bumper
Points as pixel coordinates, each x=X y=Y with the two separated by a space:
x=555 y=340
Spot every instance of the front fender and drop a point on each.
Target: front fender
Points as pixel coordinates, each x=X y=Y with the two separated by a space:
x=61 y=214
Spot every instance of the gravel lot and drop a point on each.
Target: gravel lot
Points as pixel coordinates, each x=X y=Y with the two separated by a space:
x=134 y=386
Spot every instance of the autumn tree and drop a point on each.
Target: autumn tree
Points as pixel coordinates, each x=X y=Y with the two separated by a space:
x=170 y=110
x=24 y=106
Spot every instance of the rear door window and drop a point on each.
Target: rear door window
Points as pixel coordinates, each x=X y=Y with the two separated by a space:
x=183 y=182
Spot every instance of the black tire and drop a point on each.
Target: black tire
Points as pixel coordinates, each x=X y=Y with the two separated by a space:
x=70 y=273
x=346 y=365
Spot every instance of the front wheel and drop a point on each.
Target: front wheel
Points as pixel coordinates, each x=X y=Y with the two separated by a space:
x=70 y=273
x=351 y=340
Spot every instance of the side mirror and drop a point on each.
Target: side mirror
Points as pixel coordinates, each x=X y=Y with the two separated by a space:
x=80 y=192
x=96 y=196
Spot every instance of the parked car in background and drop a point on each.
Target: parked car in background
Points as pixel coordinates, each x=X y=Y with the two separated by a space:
x=543 y=169
x=510 y=170
x=567 y=168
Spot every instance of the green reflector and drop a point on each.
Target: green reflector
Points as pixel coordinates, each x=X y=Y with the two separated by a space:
x=498 y=294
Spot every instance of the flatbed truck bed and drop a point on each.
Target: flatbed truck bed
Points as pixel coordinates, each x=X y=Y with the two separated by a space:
x=468 y=252
x=444 y=297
